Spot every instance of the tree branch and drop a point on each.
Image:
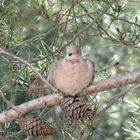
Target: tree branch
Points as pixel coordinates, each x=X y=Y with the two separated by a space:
x=2 y=51
x=50 y=100
x=115 y=98
x=45 y=101
x=113 y=82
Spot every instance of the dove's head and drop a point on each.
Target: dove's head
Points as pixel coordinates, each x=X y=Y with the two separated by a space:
x=72 y=53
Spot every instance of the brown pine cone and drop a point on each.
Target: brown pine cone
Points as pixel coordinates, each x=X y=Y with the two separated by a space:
x=34 y=126
x=76 y=110
x=37 y=88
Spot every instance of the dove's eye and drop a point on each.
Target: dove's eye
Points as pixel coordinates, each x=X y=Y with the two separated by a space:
x=70 y=54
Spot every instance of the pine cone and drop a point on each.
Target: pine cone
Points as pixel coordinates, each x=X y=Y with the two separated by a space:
x=37 y=88
x=76 y=110
x=34 y=126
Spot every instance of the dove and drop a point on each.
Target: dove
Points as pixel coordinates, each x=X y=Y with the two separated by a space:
x=73 y=73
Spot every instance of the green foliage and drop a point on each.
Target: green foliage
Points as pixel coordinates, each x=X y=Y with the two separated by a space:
x=132 y=125
x=38 y=30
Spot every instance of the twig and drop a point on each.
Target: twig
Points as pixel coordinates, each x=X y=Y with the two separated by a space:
x=30 y=66
x=41 y=36
x=115 y=98
x=82 y=130
x=106 y=31
x=102 y=12
x=9 y=104
x=125 y=20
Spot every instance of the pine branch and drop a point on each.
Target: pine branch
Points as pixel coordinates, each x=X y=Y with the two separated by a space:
x=51 y=100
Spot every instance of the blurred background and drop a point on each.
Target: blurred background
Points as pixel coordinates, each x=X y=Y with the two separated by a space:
x=108 y=33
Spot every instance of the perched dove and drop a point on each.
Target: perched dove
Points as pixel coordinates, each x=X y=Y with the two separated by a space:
x=73 y=73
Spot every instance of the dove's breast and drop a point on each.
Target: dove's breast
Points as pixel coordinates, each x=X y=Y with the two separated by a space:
x=72 y=77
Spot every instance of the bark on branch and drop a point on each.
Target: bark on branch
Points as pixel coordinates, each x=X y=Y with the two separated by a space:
x=50 y=100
